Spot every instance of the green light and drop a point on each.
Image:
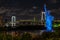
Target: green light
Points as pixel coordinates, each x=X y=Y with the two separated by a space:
x=58 y=24
x=55 y=25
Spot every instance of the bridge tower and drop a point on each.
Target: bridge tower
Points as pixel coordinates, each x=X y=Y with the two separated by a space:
x=13 y=21
x=42 y=17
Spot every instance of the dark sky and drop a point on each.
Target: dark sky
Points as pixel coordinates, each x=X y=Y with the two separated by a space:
x=21 y=3
x=27 y=3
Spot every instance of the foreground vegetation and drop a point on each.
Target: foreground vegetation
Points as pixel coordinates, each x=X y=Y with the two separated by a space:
x=27 y=36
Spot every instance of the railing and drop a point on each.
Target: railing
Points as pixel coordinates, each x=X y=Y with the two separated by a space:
x=32 y=22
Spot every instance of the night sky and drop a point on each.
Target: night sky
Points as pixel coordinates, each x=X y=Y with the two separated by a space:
x=22 y=3
x=29 y=4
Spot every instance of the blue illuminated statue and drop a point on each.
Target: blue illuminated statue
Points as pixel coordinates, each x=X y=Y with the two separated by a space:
x=48 y=19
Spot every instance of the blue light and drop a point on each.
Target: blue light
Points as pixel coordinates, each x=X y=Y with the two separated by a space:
x=48 y=20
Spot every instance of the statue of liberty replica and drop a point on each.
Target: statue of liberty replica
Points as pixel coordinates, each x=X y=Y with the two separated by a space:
x=48 y=20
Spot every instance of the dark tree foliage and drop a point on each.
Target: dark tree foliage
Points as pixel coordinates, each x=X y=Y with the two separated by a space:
x=26 y=36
